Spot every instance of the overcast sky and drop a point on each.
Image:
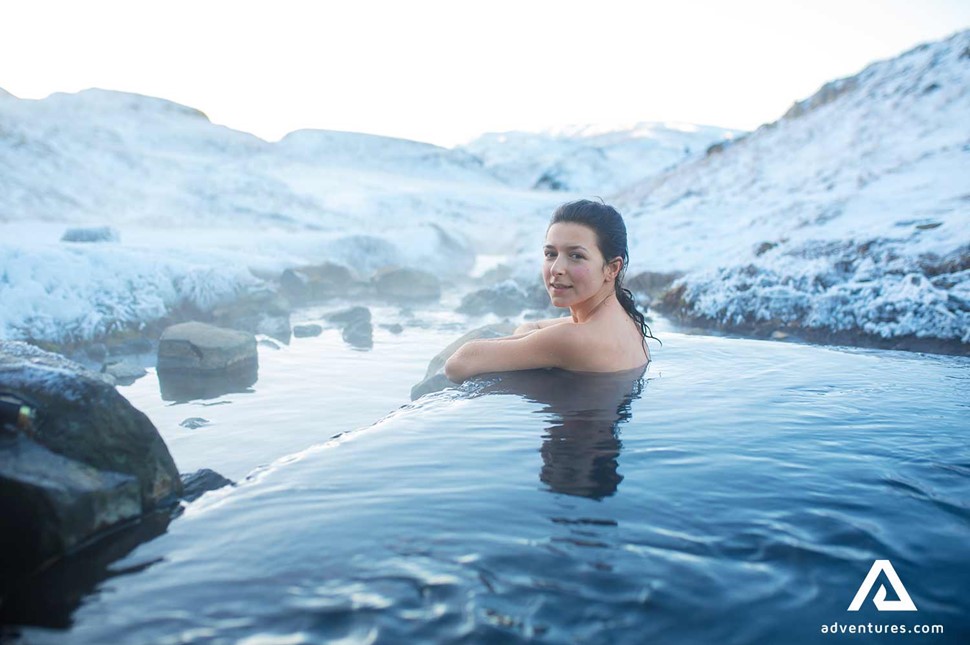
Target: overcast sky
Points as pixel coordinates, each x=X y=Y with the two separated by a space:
x=446 y=71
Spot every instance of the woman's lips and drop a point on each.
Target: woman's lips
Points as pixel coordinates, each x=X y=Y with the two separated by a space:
x=559 y=289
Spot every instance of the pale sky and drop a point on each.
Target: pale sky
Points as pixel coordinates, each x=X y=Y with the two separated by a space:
x=444 y=72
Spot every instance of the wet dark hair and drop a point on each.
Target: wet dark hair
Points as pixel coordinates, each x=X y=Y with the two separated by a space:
x=610 y=232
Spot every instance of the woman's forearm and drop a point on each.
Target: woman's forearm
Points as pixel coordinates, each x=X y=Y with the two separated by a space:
x=455 y=365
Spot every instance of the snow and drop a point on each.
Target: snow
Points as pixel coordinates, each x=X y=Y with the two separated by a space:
x=849 y=213
x=858 y=192
x=592 y=159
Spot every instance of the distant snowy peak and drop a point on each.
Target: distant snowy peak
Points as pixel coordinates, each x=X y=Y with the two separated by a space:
x=589 y=158
x=97 y=103
x=371 y=151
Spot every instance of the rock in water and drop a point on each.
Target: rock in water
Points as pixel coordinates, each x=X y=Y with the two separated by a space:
x=89 y=461
x=434 y=378
x=307 y=330
x=505 y=299
x=313 y=283
x=403 y=284
x=197 y=361
x=202 y=481
x=355 y=325
x=198 y=347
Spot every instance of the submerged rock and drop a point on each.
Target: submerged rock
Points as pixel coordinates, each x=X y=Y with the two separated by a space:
x=435 y=379
x=88 y=462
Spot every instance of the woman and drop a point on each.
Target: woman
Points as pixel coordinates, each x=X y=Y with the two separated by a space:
x=585 y=260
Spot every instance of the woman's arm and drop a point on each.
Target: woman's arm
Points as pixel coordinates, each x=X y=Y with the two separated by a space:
x=534 y=325
x=553 y=346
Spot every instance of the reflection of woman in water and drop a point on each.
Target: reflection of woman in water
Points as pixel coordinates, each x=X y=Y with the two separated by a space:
x=585 y=259
x=583 y=412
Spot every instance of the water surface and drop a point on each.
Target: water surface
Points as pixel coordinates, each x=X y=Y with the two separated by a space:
x=737 y=491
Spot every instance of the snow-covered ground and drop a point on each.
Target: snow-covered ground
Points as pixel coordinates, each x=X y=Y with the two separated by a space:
x=199 y=209
x=848 y=214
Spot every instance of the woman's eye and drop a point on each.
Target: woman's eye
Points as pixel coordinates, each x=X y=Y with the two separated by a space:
x=550 y=254
x=577 y=256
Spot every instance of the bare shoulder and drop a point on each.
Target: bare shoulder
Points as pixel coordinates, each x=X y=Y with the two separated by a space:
x=548 y=322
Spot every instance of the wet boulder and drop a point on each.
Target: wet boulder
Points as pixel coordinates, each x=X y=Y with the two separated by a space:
x=355 y=326
x=87 y=461
x=197 y=360
x=260 y=311
x=123 y=371
x=307 y=330
x=506 y=298
x=405 y=284
x=319 y=282
x=199 y=347
x=651 y=284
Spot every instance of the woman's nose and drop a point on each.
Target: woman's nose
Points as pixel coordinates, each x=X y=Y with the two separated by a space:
x=556 y=268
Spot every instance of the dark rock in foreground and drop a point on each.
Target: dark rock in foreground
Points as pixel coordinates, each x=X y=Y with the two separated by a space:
x=89 y=462
x=202 y=481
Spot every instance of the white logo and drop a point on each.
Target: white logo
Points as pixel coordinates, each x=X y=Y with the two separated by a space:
x=905 y=603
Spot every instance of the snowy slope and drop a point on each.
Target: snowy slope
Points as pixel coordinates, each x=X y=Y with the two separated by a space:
x=592 y=160
x=197 y=206
x=849 y=214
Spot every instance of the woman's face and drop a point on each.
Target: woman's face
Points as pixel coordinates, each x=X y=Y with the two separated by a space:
x=573 y=261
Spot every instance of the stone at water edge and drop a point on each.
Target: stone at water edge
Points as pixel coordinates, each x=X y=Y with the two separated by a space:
x=435 y=379
x=404 y=284
x=202 y=348
x=504 y=299
x=89 y=461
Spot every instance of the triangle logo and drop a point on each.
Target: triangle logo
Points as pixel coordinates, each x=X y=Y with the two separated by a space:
x=905 y=603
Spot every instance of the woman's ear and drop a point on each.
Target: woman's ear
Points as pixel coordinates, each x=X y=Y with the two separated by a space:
x=617 y=264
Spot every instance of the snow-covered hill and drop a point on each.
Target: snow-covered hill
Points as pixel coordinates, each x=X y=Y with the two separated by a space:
x=589 y=159
x=198 y=206
x=849 y=214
